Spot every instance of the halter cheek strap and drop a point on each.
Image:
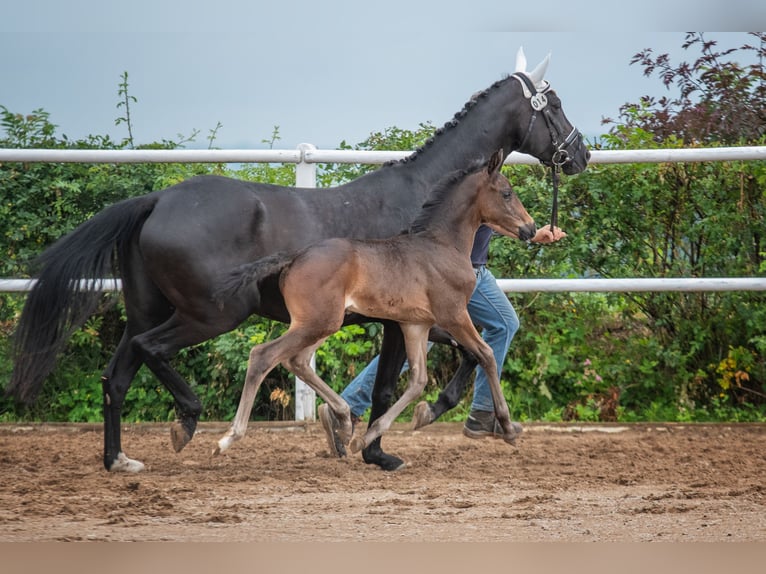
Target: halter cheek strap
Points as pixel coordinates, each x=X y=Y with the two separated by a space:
x=539 y=102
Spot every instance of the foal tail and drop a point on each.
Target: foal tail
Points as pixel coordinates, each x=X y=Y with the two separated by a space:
x=60 y=302
x=249 y=276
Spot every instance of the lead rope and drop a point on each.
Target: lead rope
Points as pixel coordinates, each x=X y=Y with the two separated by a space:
x=555 y=208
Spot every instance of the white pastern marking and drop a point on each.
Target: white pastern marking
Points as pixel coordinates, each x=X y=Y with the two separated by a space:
x=125 y=464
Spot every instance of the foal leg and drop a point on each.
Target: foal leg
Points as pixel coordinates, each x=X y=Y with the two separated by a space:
x=425 y=413
x=300 y=366
x=263 y=358
x=416 y=343
x=293 y=350
x=465 y=333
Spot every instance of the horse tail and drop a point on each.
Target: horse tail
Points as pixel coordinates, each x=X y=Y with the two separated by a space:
x=249 y=276
x=59 y=302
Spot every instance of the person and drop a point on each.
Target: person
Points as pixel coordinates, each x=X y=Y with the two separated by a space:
x=490 y=309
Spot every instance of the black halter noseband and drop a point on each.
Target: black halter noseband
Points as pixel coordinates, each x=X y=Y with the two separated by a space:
x=561 y=155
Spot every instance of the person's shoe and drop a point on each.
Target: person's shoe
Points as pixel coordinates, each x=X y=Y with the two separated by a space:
x=483 y=424
x=330 y=425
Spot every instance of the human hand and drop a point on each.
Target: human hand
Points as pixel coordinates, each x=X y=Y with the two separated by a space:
x=546 y=235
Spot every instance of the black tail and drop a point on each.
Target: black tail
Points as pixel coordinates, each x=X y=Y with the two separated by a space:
x=250 y=276
x=59 y=303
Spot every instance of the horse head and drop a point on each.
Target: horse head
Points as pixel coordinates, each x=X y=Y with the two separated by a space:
x=499 y=206
x=554 y=141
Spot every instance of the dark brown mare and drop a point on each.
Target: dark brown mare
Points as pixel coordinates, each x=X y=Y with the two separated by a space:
x=417 y=279
x=170 y=248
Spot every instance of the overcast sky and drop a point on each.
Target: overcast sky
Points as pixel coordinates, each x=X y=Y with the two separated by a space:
x=329 y=70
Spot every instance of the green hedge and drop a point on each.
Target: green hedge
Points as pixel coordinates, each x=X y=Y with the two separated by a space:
x=583 y=356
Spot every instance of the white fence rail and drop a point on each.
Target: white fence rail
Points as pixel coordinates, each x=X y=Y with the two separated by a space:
x=306 y=156
x=307 y=153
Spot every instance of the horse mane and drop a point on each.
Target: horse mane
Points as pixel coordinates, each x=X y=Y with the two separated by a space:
x=439 y=192
x=470 y=104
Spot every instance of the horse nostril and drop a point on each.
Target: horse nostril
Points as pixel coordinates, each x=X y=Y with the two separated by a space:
x=527 y=232
x=587 y=153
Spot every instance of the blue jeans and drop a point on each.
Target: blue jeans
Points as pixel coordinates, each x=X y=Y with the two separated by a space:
x=490 y=309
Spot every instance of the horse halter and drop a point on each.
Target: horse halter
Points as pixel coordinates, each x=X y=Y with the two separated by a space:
x=561 y=155
x=539 y=102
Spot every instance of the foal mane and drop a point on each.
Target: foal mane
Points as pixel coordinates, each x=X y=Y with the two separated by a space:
x=438 y=194
x=470 y=104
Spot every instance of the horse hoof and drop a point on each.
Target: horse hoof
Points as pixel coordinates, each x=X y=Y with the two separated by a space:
x=124 y=464
x=356 y=444
x=392 y=464
x=422 y=415
x=180 y=435
x=386 y=462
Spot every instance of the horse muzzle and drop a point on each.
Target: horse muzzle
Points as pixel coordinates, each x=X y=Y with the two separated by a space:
x=572 y=155
x=527 y=232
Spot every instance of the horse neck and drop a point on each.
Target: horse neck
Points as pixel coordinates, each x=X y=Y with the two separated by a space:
x=490 y=122
x=497 y=118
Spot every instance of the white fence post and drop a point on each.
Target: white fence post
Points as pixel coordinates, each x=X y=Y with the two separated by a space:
x=305 y=397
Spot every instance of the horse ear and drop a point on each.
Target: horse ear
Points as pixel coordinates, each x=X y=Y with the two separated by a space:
x=521 y=61
x=538 y=73
x=495 y=162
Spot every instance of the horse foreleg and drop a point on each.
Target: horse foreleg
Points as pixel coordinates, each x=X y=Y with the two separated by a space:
x=416 y=343
x=392 y=355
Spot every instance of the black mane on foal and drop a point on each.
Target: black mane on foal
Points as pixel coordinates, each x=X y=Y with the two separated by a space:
x=439 y=192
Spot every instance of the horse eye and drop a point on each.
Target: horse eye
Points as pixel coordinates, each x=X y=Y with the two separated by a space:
x=507 y=194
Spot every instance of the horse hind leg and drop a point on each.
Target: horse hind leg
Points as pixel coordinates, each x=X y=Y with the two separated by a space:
x=263 y=358
x=300 y=366
x=156 y=347
x=115 y=381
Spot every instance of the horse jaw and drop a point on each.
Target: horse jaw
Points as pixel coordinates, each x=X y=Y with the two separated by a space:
x=535 y=75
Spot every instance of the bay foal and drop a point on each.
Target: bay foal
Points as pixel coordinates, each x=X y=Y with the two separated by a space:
x=417 y=279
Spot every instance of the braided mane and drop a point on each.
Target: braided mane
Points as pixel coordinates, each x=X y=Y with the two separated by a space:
x=470 y=104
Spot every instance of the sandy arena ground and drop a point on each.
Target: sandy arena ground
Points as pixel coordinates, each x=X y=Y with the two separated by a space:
x=630 y=483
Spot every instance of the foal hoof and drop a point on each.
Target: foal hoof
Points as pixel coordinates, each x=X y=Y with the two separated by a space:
x=510 y=438
x=224 y=443
x=515 y=432
x=356 y=444
x=422 y=416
